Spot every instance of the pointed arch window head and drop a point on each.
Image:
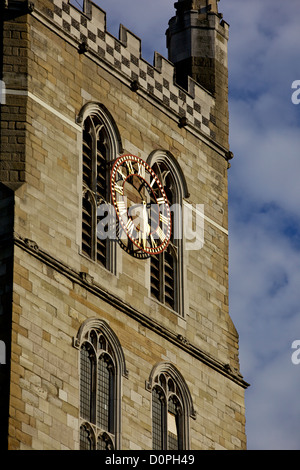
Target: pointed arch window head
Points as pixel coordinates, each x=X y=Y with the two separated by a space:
x=86 y=437
x=101 y=143
x=166 y=414
x=102 y=365
x=171 y=408
x=166 y=272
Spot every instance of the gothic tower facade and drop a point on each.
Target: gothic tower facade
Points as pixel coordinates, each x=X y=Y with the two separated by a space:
x=114 y=234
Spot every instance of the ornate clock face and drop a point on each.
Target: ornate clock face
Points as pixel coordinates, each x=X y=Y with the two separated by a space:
x=142 y=207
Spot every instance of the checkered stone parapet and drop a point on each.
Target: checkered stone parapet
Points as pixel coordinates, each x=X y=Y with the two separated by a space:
x=123 y=56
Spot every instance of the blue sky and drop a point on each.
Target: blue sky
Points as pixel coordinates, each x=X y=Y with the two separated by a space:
x=264 y=197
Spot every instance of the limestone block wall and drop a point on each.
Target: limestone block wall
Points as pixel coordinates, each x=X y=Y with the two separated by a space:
x=50 y=306
x=51 y=295
x=60 y=82
x=6 y=293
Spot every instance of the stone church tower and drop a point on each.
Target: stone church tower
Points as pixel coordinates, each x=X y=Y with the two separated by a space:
x=114 y=321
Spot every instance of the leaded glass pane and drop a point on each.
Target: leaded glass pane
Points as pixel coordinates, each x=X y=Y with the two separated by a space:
x=103 y=397
x=104 y=443
x=85 y=384
x=101 y=444
x=157 y=420
x=172 y=426
x=85 y=439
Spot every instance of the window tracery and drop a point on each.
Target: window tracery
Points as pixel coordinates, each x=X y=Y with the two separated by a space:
x=171 y=408
x=101 y=366
x=101 y=144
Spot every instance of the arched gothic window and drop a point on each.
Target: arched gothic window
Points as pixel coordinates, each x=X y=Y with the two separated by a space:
x=171 y=408
x=102 y=365
x=166 y=272
x=101 y=144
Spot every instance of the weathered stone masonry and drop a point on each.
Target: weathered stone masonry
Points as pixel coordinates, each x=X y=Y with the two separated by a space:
x=56 y=59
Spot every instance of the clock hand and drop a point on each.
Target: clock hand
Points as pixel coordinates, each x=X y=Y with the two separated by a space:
x=145 y=215
x=146 y=227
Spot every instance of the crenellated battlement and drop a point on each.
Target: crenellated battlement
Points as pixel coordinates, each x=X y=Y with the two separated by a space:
x=123 y=56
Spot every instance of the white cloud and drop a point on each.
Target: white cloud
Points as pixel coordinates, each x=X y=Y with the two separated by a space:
x=264 y=59
x=274 y=419
x=267 y=164
x=264 y=301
